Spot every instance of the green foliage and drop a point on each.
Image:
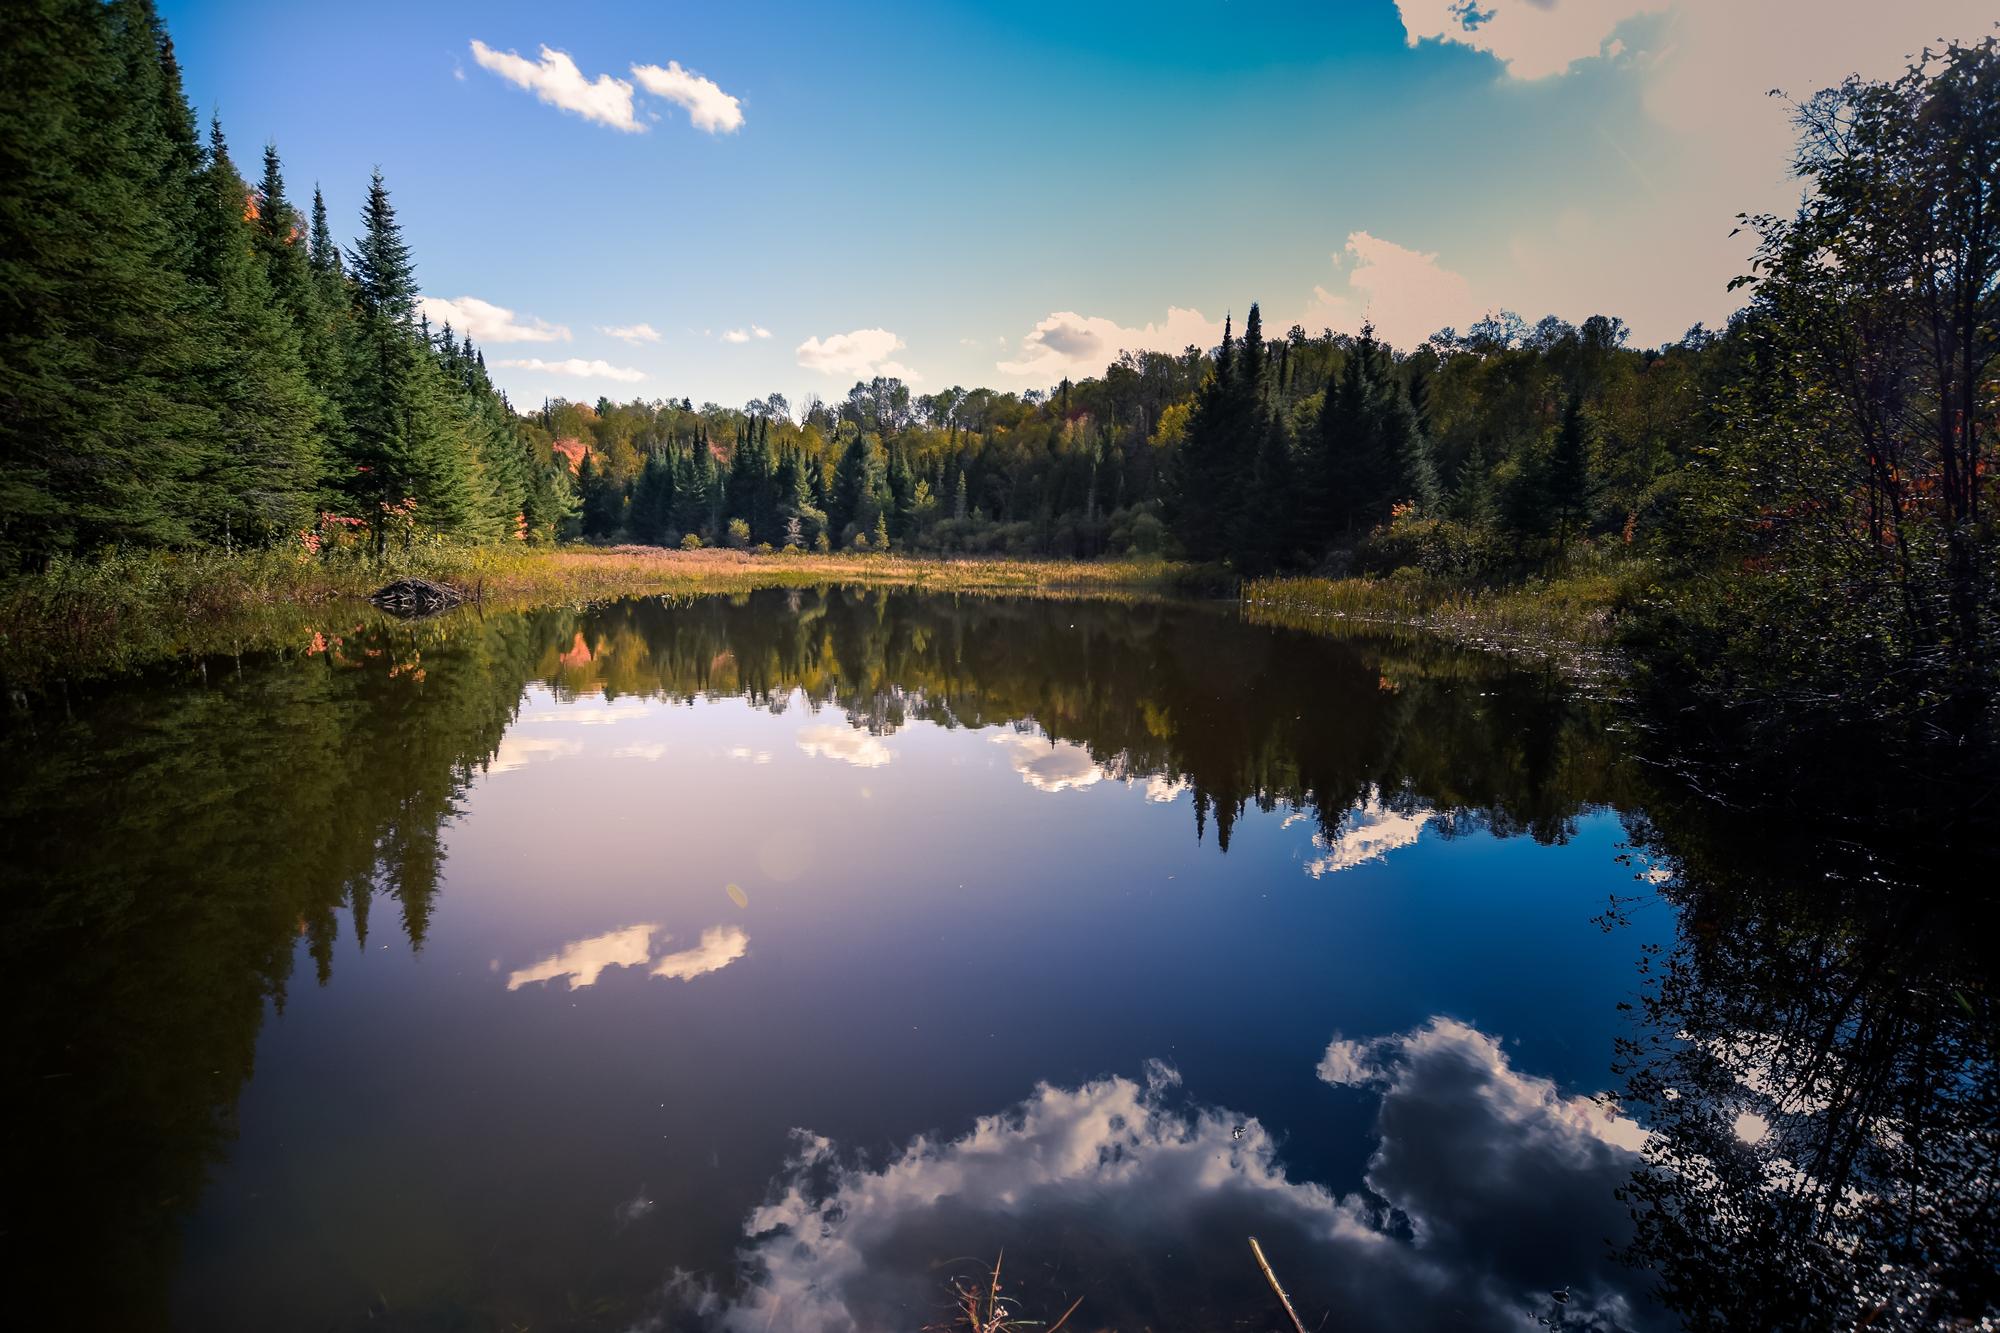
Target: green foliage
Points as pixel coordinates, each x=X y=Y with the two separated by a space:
x=187 y=361
x=1833 y=551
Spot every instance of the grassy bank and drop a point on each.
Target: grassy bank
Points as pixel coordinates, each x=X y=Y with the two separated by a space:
x=86 y=618
x=91 y=617
x=1566 y=620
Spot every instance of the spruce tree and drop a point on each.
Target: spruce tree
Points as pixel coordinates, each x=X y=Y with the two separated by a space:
x=1204 y=485
x=852 y=505
x=260 y=471
x=1567 y=481
x=404 y=440
x=103 y=332
x=1372 y=453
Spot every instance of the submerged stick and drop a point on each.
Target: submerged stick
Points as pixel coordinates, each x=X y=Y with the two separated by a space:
x=1277 y=1290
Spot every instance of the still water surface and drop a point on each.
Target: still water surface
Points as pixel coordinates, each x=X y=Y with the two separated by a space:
x=769 y=962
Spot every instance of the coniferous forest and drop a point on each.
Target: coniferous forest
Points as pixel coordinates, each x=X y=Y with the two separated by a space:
x=192 y=358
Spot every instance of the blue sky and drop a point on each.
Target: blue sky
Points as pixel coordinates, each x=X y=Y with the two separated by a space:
x=1003 y=194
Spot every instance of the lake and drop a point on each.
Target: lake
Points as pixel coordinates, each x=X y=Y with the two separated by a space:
x=780 y=961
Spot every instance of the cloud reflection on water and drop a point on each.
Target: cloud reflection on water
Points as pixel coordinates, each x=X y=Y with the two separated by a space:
x=828 y=740
x=1048 y=765
x=581 y=962
x=1369 y=833
x=1487 y=1189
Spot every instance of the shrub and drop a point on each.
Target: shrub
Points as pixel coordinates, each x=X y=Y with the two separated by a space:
x=1437 y=547
x=738 y=534
x=691 y=542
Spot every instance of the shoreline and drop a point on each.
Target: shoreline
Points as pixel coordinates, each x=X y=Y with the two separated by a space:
x=85 y=619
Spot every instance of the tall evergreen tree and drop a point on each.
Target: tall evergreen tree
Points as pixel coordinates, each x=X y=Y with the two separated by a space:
x=260 y=472
x=102 y=329
x=403 y=442
x=1203 y=486
x=1371 y=454
x=853 y=504
x=1567 y=486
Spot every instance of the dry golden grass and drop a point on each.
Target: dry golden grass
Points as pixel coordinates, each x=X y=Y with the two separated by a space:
x=1567 y=619
x=90 y=617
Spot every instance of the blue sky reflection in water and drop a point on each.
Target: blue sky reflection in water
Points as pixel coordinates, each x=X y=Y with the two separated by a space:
x=991 y=983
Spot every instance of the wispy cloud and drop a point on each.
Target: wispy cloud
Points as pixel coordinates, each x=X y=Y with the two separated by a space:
x=708 y=107
x=489 y=323
x=861 y=352
x=631 y=333
x=580 y=368
x=555 y=79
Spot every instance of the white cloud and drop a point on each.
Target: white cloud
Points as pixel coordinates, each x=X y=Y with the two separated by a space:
x=632 y=333
x=708 y=107
x=1370 y=832
x=555 y=79
x=1534 y=39
x=759 y=331
x=1067 y=343
x=826 y=740
x=1717 y=143
x=863 y=353
x=718 y=947
x=750 y=756
x=489 y=323
x=582 y=961
x=1407 y=294
x=518 y=751
x=1487 y=1187
x=736 y=336
x=596 y=712
x=582 y=369
x=1049 y=765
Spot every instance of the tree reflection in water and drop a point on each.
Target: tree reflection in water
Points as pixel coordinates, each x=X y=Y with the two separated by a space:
x=1812 y=1069
x=1815 y=1061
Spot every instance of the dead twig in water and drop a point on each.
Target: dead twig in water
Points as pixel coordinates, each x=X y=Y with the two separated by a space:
x=996 y=1313
x=1276 y=1289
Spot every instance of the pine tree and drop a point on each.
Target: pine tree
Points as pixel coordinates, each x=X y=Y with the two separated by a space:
x=1371 y=453
x=852 y=506
x=1567 y=482
x=1474 y=502
x=603 y=499
x=404 y=440
x=103 y=331
x=751 y=492
x=652 y=511
x=1207 y=471
x=260 y=472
